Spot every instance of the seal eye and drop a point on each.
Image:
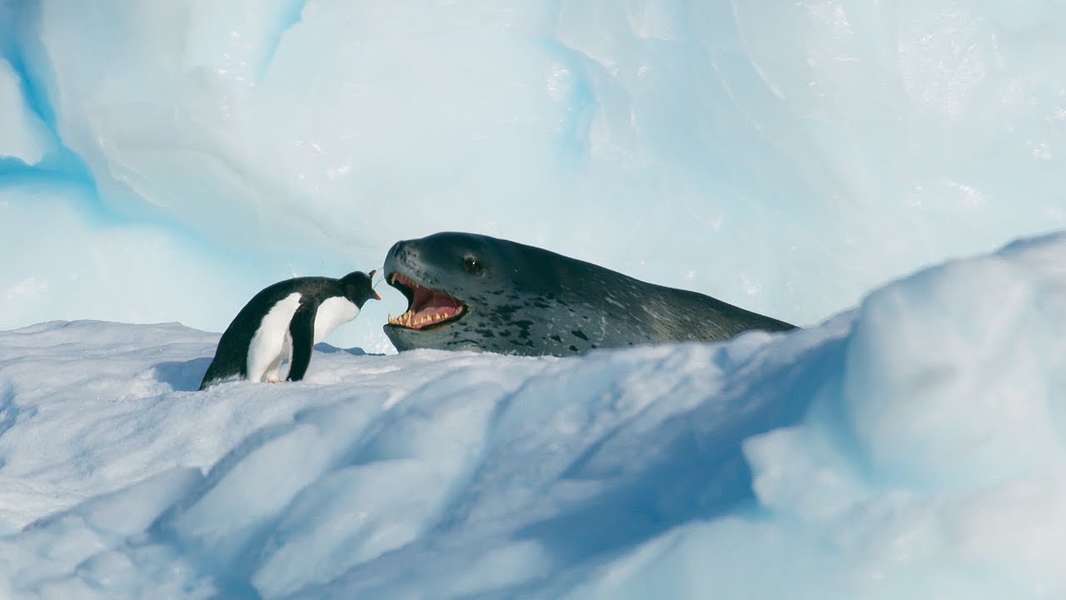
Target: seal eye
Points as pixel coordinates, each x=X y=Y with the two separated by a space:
x=472 y=265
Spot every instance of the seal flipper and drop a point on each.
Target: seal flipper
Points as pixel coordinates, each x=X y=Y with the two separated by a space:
x=302 y=330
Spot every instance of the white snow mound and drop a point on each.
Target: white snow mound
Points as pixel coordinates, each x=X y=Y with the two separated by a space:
x=913 y=448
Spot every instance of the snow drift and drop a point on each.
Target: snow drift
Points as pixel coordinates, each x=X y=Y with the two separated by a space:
x=915 y=447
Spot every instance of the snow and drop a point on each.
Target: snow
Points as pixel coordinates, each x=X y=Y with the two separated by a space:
x=913 y=447
x=736 y=148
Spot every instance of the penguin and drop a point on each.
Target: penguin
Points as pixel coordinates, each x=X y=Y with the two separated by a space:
x=283 y=322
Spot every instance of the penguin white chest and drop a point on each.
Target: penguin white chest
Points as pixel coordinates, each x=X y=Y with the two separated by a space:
x=271 y=341
x=332 y=313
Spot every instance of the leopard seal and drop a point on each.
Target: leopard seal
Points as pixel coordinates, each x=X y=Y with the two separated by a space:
x=474 y=292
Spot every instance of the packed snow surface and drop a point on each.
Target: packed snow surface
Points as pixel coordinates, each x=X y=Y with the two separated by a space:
x=785 y=156
x=912 y=448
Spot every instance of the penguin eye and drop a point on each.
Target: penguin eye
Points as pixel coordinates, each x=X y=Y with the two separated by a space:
x=472 y=265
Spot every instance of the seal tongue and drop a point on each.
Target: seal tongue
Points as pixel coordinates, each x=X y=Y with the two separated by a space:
x=428 y=306
x=432 y=301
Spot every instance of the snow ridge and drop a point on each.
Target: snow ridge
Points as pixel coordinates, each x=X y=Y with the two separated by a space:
x=913 y=447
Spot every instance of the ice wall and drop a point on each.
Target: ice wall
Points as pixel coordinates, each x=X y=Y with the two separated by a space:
x=785 y=157
x=25 y=138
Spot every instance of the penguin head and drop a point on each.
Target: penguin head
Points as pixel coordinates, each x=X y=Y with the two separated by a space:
x=359 y=287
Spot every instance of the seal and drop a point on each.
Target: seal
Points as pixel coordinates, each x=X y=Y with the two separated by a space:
x=474 y=292
x=282 y=323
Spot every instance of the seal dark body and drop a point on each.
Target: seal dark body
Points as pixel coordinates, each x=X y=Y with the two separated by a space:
x=286 y=317
x=519 y=299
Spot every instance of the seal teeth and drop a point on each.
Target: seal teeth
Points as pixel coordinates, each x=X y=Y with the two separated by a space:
x=414 y=320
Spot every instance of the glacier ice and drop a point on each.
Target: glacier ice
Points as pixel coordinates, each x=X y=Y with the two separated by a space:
x=913 y=447
x=67 y=262
x=25 y=137
x=785 y=158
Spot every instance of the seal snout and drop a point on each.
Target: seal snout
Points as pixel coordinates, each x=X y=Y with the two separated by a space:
x=397 y=256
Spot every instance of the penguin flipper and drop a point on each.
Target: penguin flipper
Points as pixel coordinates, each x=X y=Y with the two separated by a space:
x=302 y=330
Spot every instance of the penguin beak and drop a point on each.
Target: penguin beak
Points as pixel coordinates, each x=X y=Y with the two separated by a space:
x=377 y=296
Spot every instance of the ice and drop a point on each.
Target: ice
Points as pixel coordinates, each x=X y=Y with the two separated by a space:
x=67 y=262
x=25 y=137
x=913 y=447
x=787 y=158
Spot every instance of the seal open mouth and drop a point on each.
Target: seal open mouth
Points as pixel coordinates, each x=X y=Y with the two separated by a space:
x=426 y=307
